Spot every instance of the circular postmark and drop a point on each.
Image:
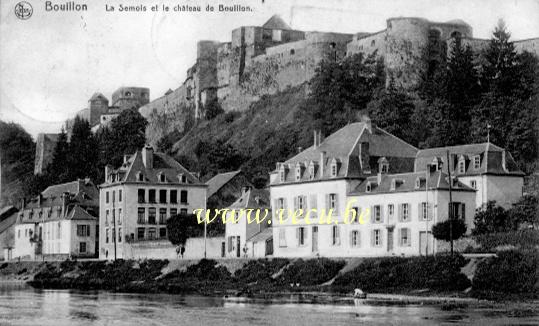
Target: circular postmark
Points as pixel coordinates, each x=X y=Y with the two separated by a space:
x=23 y=10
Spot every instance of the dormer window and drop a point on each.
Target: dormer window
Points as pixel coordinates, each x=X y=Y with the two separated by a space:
x=162 y=177
x=140 y=176
x=282 y=174
x=476 y=162
x=437 y=164
x=298 y=172
x=369 y=187
x=333 y=168
x=393 y=184
x=311 y=171
x=462 y=165
x=417 y=183
x=383 y=165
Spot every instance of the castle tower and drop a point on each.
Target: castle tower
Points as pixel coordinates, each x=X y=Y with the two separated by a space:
x=130 y=97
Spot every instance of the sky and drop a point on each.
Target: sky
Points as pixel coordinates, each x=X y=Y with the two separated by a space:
x=53 y=62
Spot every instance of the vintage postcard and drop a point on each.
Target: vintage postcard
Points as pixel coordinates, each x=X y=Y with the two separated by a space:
x=269 y=162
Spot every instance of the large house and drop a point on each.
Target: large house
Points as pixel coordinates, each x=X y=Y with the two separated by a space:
x=60 y=222
x=138 y=197
x=485 y=167
x=322 y=176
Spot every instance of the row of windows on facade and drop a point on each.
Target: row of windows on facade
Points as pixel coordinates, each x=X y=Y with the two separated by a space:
x=437 y=163
x=142 y=234
x=335 y=240
x=172 y=196
x=51 y=233
x=40 y=212
x=151 y=217
x=424 y=210
x=300 y=169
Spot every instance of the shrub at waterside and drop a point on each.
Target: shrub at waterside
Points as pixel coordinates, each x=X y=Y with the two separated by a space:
x=310 y=272
x=397 y=274
x=510 y=272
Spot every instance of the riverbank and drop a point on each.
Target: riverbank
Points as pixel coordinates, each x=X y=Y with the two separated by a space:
x=416 y=280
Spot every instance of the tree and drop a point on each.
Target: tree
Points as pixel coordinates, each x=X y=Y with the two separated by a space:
x=217 y=156
x=180 y=228
x=526 y=211
x=442 y=230
x=58 y=170
x=83 y=151
x=212 y=109
x=491 y=218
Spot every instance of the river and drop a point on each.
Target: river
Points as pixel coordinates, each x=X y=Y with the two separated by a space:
x=23 y=305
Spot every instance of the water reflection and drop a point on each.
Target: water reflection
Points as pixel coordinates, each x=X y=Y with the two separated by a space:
x=21 y=305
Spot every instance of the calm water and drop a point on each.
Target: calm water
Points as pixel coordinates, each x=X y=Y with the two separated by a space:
x=22 y=305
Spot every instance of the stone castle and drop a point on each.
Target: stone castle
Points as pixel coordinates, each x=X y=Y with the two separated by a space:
x=266 y=59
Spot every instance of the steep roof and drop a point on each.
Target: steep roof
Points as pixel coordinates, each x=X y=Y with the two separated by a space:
x=405 y=182
x=253 y=198
x=98 y=96
x=343 y=147
x=262 y=236
x=276 y=22
x=492 y=159
x=73 y=187
x=6 y=211
x=7 y=222
x=78 y=213
x=219 y=180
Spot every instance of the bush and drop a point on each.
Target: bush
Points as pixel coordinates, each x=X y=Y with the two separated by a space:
x=394 y=274
x=259 y=270
x=442 y=230
x=526 y=239
x=491 y=218
x=311 y=272
x=510 y=272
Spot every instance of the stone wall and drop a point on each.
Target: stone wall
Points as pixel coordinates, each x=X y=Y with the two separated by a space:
x=194 y=249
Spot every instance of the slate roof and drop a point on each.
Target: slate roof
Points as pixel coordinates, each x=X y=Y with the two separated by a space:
x=74 y=187
x=406 y=182
x=162 y=165
x=343 y=147
x=6 y=211
x=253 y=198
x=7 y=222
x=219 y=180
x=276 y=22
x=492 y=159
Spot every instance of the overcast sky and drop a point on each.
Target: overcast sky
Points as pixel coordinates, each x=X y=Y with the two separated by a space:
x=53 y=62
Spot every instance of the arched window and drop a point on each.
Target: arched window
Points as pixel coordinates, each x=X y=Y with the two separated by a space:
x=334 y=168
x=369 y=187
x=292 y=52
x=298 y=172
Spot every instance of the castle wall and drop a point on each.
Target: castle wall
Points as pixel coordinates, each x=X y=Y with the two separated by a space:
x=530 y=45
x=45 y=145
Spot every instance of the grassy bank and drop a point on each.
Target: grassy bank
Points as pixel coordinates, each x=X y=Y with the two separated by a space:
x=510 y=275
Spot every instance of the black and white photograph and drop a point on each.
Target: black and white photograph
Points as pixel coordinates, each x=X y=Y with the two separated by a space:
x=269 y=162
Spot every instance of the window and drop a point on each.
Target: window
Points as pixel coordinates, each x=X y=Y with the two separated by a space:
x=120 y=195
x=140 y=233
x=163 y=196
x=417 y=183
x=141 y=215
x=282 y=175
x=152 y=234
x=107 y=197
x=151 y=196
x=162 y=233
x=300 y=203
x=384 y=167
x=119 y=216
x=141 y=196
x=311 y=172
x=335 y=236
x=473 y=184
x=282 y=237
x=151 y=215
x=162 y=215
x=368 y=188
x=182 y=178
x=173 y=211
x=183 y=196
x=82 y=247
x=83 y=230
x=107 y=235
x=462 y=166
x=298 y=173
x=477 y=162
x=162 y=178
x=405 y=213
x=231 y=243
x=119 y=234
x=301 y=236
x=292 y=52
x=373 y=43
x=423 y=211
x=333 y=169
x=174 y=196
x=354 y=239
x=377 y=238
x=458 y=211
x=390 y=211
x=377 y=213
x=107 y=217
x=332 y=202
x=183 y=211
x=393 y=185
x=405 y=237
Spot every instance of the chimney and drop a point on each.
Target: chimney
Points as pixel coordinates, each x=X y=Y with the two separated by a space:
x=65 y=199
x=23 y=203
x=257 y=200
x=108 y=170
x=364 y=157
x=39 y=199
x=315 y=140
x=504 y=163
x=147 y=156
x=379 y=178
x=322 y=163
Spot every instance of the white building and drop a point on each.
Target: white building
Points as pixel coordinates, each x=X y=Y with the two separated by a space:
x=61 y=222
x=485 y=167
x=244 y=239
x=322 y=176
x=138 y=197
